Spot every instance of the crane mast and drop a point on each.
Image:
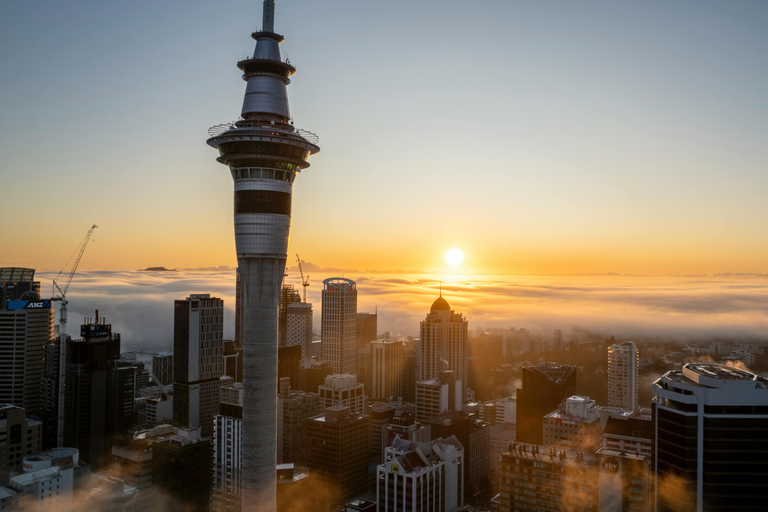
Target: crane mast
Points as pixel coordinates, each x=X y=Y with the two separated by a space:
x=63 y=333
x=304 y=281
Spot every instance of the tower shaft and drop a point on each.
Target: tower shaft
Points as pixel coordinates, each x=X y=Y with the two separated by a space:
x=264 y=153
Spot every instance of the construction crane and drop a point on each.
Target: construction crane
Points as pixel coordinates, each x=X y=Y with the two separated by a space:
x=62 y=297
x=304 y=280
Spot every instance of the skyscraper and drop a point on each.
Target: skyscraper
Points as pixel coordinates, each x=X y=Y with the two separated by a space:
x=443 y=345
x=25 y=328
x=387 y=364
x=264 y=152
x=623 y=362
x=339 y=323
x=227 y=445
x=300 y=326
x=545 y=386
x=198 y=326
x=288 y=296
x=710 y=423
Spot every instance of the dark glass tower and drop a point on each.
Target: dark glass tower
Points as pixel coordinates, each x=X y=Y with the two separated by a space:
x=264 y=152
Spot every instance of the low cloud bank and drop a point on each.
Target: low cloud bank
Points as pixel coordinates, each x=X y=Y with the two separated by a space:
x=140 y=304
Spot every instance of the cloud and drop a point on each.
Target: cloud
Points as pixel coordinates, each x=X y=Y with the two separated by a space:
x=140 y=304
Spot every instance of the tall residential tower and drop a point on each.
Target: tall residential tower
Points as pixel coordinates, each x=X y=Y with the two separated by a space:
x=339 y=324
x=264 y=152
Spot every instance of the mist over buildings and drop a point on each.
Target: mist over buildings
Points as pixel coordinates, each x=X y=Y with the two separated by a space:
x=140 y=304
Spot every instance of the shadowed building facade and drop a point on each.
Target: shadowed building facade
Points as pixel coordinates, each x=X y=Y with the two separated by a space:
x=545 y=386
x=264 y=153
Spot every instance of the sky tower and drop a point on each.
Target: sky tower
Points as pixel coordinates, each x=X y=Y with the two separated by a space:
x=264 y=153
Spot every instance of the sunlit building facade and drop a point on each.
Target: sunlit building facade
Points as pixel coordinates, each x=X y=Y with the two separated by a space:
x=444 y=344
x=339 y=323
x=623 y=367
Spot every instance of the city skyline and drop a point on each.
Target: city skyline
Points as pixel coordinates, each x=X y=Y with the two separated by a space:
x=616 y=137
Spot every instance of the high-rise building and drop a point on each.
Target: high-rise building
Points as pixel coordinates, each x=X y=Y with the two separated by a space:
x=294 y=408
x=627 y=434
x=342 y=391
x=435 y=396
x=288 y=295
x=233 y=360
x=99 y=395
x=421 y=477
x=624 y=481
x=366 y=327
x=338 y=324
x=227 y=454
x=264 y=153
x=443 y=345
x=19 y=436
x=177 y=461
x=574 y=425
x=545 y=386
x=198 y=326
x=710 y=423
x=17 y=281
x=339 y=453
x=541 y=478
x=26 y=326
x=387 y=367
x=162 y=367
x=300 y=326
x=623 y=363
x=239 y=306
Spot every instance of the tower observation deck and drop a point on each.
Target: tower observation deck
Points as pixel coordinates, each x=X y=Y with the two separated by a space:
x=264 y=153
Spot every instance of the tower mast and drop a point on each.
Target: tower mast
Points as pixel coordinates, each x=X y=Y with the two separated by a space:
x=264 y=153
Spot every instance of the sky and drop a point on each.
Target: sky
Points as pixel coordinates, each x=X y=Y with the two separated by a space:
x=547 y=137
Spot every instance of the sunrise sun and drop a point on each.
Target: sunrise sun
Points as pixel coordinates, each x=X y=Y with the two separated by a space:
x=454 y=257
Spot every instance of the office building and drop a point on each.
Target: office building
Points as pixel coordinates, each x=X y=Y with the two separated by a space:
x=541 y=478
x=112 y=494
x=49 y=394
x=545 y=386
x=289 y=361
x=198 y=326
x=421 y=477
x=288 y=296
x=294 y=408
x=623 y=363
x=162 y=367
x=381 y=414
x=710 y=423
x=435 y=396
x=26 y=326
x=19 y=436
x=15 y=282
x=178 y=460
x=339 y=453
x=342 y=391
x=227 y=450
x=443 y=345
x=300 y=327
x=99 y=394
x=312 y=374
x=338 y=324
x=264 y=153
x=405 y=426
x=47 y=481
x=574 y=425
x=628 y=434
x=366 y=327
x=232 y=355
x=515 y=342
x=387 y=369
x=625 y=483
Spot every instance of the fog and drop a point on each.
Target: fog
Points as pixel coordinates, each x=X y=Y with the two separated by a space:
x=139 y=305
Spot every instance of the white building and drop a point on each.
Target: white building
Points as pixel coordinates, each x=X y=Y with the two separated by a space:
x=422 y=477
x=111 y=494
x=387 y=362
x=342 y=391
x=47 y=481
x=623 y=363
x=159 y=409
x=506 y=410
x=574 y=426
x=443 y=344
x=435 y=396
x=227 y=450
x=299 y=330
x=339 y=324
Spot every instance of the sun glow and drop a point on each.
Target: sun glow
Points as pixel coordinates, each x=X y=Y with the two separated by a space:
x=454 y=257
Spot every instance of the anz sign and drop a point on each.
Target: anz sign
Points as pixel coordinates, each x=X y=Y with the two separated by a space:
x=42 y=304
